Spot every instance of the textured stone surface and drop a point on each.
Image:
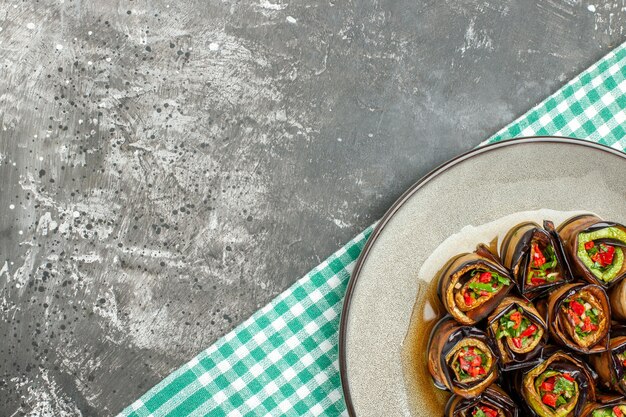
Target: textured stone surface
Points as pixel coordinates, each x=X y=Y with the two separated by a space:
x=169 y=167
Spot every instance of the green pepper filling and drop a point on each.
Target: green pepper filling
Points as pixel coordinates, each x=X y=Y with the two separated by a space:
x=483 y=284
x=602 y=259
x=518 y=328
x=615 y=411
x=485 y=411
x=470 y=363
x=582 y=315
x=543 y=266
x=556 y=389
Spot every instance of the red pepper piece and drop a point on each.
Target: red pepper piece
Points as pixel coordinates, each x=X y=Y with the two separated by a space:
x=549 y=399
x=529 y=331
x=588 y=326
x=577 y=307
x=538 y=258
x=517 y=342
x=485 y=277
x=476 y=370
x=548 y=384
x=477 y=361
x=589 y=245
x=537 y=281
x=604 y=256
x=465 y=365
x=490 y=412
x=607 y=255
x=516 y=318
x=468 y=298
x=575 y=318
x=597 y=257
x=617 y=411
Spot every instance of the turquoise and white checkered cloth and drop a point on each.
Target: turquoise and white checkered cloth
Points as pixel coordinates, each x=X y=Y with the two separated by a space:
x=282 y=361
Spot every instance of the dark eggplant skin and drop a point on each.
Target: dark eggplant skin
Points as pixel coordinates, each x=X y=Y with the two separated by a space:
x=515 y=254
x=569 y=232
x=509 y=359
x=553 y=358
x=617 y=295
x=494 y=397
x=610 y=368
x=446 y=338
x=558 y=326
x=454 y=272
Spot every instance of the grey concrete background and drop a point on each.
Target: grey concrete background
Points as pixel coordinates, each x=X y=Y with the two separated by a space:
x=168 y=167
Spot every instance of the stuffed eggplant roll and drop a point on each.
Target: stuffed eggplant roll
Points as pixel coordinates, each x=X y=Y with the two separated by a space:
x=494 y=402
x=536 y=258
x=596 y=249
x=519 y=332
x=559 y=386
x=579 y=317
x=461 y=358
x=471 y=285
x=611 y=365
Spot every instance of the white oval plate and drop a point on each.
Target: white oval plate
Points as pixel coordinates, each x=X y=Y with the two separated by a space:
x=475 y=188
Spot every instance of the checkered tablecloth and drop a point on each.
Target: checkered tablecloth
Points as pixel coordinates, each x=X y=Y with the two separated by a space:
x=282 y=361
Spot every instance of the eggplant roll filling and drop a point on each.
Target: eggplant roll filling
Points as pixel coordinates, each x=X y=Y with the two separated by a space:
x=471 y=361
x=603 y=259
x=470 y=365
x=494 y=402
x=584 y=318
x=472 y=285
x=480 y=286
x=558 y=391
x=610 y=411
x=461 y=358
x=559 y=386
x=520 y=333
x=479 y=410
x=597 y=248
x=483 y=410
x=543 y=266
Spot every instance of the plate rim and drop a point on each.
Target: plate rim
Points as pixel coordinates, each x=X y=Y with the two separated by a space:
x=345 y=311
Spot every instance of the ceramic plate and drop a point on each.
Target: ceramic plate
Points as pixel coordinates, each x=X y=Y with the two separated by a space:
x=383 y=367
